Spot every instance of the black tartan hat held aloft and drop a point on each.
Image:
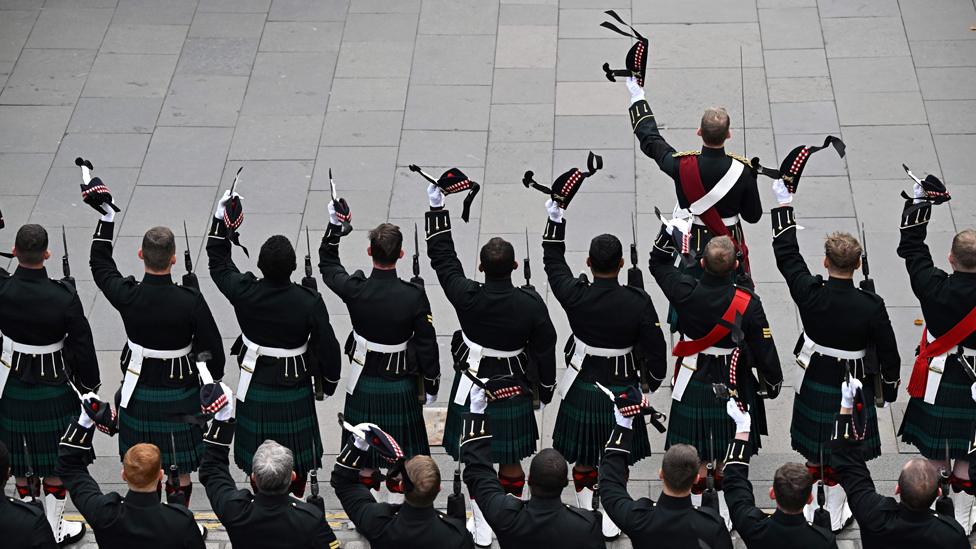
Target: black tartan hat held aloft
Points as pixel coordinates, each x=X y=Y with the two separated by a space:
x=453 y=181
x=94 y=192
x=637 y=56
x=935 y=190
x=792 y=166
x=565 y=187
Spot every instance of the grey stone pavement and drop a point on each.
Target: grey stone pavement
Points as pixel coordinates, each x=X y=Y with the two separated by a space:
x=169 y=98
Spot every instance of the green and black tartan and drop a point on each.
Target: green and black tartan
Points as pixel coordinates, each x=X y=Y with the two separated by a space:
x=283 y=414
x=699 y=416
x=952 y=417
x=154 y=413
x=584 y=424
x=38 y=414
x=511 y=423
x=815 y=409
x=393 y=405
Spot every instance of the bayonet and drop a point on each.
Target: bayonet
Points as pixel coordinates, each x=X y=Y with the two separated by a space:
x=65 y=265
x=187 y=259
x=173 y=479
x=742 y=82
x=33 y=482
x=416 y=259
x=526 y=266
x=309 y=280
x=314 y=498
x=455 y=500
x=911 y=175
x=237 y=176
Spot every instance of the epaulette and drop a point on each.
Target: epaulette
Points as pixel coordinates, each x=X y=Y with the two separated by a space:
x=309 y=508
x=457 y=524
x=742 y=159
x=412 y=285
x=179 y=508
x=710 y=513
x=745 y=289
x=190 y=289
x=950 y=521
x=36 y=510
x=312 y=291
x=358 y=274
x=589 y=516
x=829 y=536
x=640 y=291
x=535 y=295
x=877 y=298
x=67 y=287
x=685 y=153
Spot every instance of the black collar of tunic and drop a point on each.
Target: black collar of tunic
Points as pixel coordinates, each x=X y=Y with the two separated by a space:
x=914 y=516
x=159 y=280
x=544 y=502
x=606 y=282
x=30 y=274
x=789 y=520
x=709 y=279
x=142 y=499
x=709 y=151
x=383 y=274
x=498 y=283
x=671 y=502
x=840 y=282
x=963 y=275
x=277 y=500
x=409 y=512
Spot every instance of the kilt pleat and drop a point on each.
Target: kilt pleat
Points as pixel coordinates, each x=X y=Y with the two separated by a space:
x=814 y=412
x=393 y=406
x=951 y=418
x=38 y=414
x=153 y=414
x=511 y=423
x=700 y=417
x=283 y=414
x=584 y=424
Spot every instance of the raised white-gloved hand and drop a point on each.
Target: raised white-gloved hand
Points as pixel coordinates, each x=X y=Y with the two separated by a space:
x=919 y=193
x=847 y=390
x=108 y=214
x=479 y=400
x=783 y=195
x=743 y=421
x=222 y=204
x=554 y=211
x=435 y=196
x=430 y=399
x=635 y=89
x=83 y=418
x=227 y=412
x=972 y=392
x=333 y=218
x=626 y=422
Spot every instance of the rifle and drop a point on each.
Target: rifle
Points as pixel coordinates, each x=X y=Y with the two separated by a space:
x=314 y=498
x=871 y=358
x=709 y=495
x=416 y=260
x=65 y=266
x=309 y=281
x=944 y=505
x=174 y=495
x=635 y=279
x=821 y=516
x=190 y=278
x=526 y=267
x=33 y=482
x=455 y=500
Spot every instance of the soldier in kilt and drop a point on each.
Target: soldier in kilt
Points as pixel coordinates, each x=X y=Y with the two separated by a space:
x=941 y=413
x=615 y=328
x=46 y=345
x=287 y=351
x=166 y=325
x=505 y=331
x=840 y=323
x=392 y=347
x=724 y=334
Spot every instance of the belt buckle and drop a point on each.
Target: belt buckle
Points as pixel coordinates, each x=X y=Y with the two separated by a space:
x=246 y=368
x=357 y=361
x=936 y=369
x=801 y=363
x=133 y=372
x=689 y=366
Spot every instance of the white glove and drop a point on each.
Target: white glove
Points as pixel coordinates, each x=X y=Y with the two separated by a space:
x=227 y=412
x=222 y=204
x=919 y=192
x=743 y=421
x=108 y=214
x=430 y=399
x=636 y=91
x=360 y=443
x=542 y=407
x=84 y=420
x=847 y=391
x=555 y=212
x=783 y=195
x=359 y=435
x=435 y=196
x=972 y=392
x=333 y=219
x=479 y=400
x=627 y=422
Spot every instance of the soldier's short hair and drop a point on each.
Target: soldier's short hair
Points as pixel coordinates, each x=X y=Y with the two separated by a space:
x=918 y=483
x=158 y=248
x=791 y=485
x=31 y=243
x=843 y=251
x=680 y=467
x=142 y=465
x=605 y=253
x=719 y=256
x=497 y=257
x=964 y=249
x=548 y=473
x=277 y=258
x=386 y=241
x=426 y=480
x=271 y=468
x=4 y=464
x=715 y=126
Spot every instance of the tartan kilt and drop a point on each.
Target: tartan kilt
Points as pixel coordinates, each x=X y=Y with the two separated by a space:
x=511 y=423
x=153 y=413
x=285 y=414
x=393 y=406
x=584 y=424
x=39 y=414
x=952 y=417
x=815 y=410
x=699 y=414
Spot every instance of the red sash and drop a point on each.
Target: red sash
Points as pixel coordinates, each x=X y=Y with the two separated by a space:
x=740 y=301
x=694 y=190
x=941 y=345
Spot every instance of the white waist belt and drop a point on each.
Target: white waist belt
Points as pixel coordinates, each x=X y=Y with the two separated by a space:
x=363 y=346
x=250 y=360
x=689 y=365
x=475 y=354
x=937 y=368
x=580 y=352
x=810 y=348
x=728 y=221
x=137 y=354
x=10 y=347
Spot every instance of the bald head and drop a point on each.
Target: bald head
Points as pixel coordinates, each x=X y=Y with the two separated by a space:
x=714 y=126
x=719 y=257
x=962 y=256
x=918 y=484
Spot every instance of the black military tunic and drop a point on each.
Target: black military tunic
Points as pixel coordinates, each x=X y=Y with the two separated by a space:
x=24 y=525
x=885 y=522
x=671 y=522
x=700 y=305
x=538 y=522
x=138 y=519
x=257 y=520
x=497 y=315
x=839 y=315
x=608 y=315
x=387 y=310
x=389 y=526
x=756 y=528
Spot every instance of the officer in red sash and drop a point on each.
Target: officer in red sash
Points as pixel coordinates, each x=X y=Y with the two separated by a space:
x=941 y=412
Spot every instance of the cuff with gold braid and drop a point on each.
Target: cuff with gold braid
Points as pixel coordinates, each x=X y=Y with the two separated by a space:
x=332 y=234
x=475 y=427
x=220 y=432
x=738 y=452
x=351 y=457
x=783 y=219
x=218 y=229
x=621 y=440
x=76 y=436
x=639 y=112
x=915 y=214
x=437 y=222
x=432 y=385
x=555 y=232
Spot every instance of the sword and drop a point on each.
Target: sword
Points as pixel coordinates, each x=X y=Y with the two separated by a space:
x=346 y=226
